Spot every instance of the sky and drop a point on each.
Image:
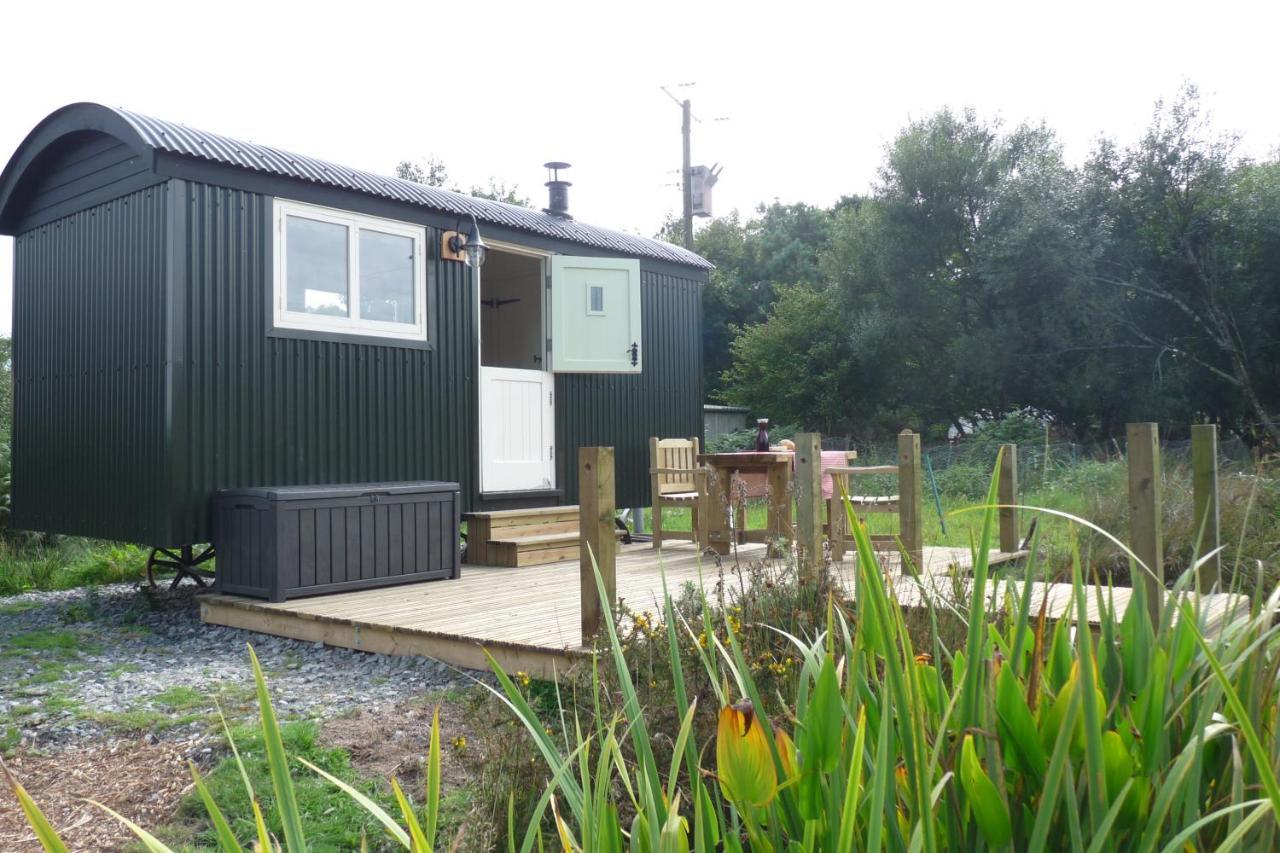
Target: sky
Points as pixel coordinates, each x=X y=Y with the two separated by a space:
x=796 y=101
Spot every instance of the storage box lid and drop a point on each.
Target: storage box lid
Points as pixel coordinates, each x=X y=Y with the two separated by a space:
x=340 y=490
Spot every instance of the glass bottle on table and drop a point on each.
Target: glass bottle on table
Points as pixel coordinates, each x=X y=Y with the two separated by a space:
x=762 y=435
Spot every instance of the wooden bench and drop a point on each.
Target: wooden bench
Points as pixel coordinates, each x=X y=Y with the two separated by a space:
x=523 y=537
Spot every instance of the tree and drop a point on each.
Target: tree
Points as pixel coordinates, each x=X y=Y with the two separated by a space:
x=985 y=275
x=498 y=190
x=432 y=172
x=806 y=364
x=781 y=245
x=1194 y=253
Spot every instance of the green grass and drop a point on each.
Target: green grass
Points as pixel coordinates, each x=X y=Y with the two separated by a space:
x=48 y=705
x=1097 y=491
x=143 y=720
x=51 y=672
x=18 y=607
x=181 y=699
x=10 y=737
x=52 y=642
x=333 y=820
x=66 y=563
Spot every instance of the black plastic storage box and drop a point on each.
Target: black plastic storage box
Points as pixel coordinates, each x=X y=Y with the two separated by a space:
x=293 y=541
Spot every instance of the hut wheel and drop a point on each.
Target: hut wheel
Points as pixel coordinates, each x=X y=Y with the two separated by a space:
x=185 y=563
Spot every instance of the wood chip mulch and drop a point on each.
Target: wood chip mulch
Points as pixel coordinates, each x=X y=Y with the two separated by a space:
x=142 y=781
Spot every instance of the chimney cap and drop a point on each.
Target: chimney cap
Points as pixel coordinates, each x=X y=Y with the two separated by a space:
x=558 y=195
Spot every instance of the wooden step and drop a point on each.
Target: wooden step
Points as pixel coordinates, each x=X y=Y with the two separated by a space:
x=502 y=515
x=515 y=523
x=533 y=550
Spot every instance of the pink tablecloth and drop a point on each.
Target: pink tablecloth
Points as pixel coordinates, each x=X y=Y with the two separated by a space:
x=756 y=485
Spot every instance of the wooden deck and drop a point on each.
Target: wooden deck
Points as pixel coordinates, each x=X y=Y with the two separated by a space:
x=529 y=618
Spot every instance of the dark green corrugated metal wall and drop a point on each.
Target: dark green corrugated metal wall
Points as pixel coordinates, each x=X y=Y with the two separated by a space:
x=264 y=410
x=623 y=411
x=89 y=336
x=248 y=408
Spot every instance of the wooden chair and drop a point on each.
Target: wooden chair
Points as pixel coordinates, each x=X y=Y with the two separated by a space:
x=837 y=521
x=677 y=480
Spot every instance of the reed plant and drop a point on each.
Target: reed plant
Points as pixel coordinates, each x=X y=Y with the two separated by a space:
x=1100 y=730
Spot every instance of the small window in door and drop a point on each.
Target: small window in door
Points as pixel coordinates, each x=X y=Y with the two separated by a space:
x=595 y=299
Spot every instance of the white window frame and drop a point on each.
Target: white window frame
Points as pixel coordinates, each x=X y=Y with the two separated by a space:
x=283 y=318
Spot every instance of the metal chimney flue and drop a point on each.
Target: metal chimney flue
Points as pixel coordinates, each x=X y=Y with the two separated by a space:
x=557 y=191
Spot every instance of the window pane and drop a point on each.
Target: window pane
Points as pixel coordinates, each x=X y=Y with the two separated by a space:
x=316 y=258
x=597 y=299
x=386 y=278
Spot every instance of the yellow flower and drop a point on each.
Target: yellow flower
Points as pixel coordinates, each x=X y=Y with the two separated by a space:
x=523 y=678
x=743 y=760
x=460 y=742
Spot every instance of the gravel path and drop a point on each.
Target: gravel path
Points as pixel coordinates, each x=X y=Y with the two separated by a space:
x=84 y=665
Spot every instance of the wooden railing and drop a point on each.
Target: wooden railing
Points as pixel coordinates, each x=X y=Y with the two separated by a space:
x=597 y=510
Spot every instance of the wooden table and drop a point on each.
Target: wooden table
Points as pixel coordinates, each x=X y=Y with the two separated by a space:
x=721 y=497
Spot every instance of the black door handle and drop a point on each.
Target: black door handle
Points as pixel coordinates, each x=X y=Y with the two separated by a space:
x=635 y=354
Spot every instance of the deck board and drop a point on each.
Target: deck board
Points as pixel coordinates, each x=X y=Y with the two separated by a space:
x=529 y=617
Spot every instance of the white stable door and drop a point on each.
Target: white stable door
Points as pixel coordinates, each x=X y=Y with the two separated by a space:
x=517 y=429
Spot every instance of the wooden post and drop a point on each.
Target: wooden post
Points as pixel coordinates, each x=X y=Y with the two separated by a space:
x=910 y=502
x=1008 y=497
x=809 y=504
x=837 y=519
x=1204 y=470
x=1145 y=507
x=596 y=512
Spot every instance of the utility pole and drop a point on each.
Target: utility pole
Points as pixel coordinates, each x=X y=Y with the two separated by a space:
x=686 y=176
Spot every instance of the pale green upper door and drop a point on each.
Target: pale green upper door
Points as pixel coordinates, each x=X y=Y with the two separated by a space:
x=595 y=315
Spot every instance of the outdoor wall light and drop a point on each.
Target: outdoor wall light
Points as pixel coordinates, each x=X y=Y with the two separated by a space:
x=469 y=247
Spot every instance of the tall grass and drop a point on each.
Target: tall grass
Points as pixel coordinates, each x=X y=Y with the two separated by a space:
x=30 y=563
x=1021 y=734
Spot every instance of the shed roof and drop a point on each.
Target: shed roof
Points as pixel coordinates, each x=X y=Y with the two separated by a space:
x=177 y=139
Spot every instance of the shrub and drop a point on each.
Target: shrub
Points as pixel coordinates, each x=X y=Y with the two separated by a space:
x=745 y=438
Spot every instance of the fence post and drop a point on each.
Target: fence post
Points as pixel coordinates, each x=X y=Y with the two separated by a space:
x=596 y=512
x=809 y=504
x=1008 y=497
x=1145 y=508
x=1204 y=471
x=910 y=502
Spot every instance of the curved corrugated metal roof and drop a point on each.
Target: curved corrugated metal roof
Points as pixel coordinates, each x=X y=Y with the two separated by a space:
x=188 y=142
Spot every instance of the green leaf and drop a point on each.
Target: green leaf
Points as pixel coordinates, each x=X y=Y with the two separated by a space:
x=821 y=724
x=989 y=809
x=1017 y=726
x=1055 y=779
x=433 y=780
x=380 y=814
x=971 y=698
x=853 y=785
x=44 y=831
x=278 y=763
x=149 y=841
x=1117 y=763
x=226 y=838
x=420 y=843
